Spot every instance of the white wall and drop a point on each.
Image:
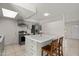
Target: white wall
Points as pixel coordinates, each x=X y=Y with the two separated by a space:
x=56 y=27
x=71 y=42
x=72 y=31
x=8 y=27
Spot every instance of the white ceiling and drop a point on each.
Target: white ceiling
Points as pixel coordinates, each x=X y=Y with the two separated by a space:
x=22 y=12
x=70 y=12
x=58 y=11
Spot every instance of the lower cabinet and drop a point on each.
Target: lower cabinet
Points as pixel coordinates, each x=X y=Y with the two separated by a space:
x=1 y=47
x=32 y=48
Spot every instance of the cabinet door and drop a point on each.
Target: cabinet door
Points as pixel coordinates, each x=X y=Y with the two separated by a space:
x=31 y=47
x=1 y=48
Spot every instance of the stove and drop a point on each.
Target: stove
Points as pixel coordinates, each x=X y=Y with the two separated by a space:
x=22 y=37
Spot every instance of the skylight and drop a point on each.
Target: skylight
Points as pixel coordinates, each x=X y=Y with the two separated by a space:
x=9 y=13
x=46 y=14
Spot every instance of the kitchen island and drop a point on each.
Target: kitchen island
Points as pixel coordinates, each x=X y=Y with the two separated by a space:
x=35 y=42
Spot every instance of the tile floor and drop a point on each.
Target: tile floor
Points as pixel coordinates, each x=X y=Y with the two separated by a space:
x=14 y=50
x=71 y=48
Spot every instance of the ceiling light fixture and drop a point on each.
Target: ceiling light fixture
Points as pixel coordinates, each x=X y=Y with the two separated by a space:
x=9 y=13
x=76 y=26
x=46 y=14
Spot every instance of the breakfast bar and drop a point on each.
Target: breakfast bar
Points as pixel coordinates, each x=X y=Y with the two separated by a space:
x=35 y=42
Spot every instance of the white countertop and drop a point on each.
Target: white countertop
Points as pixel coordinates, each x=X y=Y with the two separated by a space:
x=41 y=38
x=1 y=38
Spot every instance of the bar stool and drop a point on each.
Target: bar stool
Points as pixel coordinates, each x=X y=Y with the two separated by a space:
x=51 y=50
x=61 y=46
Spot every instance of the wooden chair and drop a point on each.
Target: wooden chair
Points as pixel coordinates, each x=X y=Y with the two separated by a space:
x=61 y=46
x=51 y=49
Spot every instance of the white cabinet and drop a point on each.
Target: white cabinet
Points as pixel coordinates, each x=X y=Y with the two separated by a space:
x=1 y=45
x=35 y=42
x=31 y=47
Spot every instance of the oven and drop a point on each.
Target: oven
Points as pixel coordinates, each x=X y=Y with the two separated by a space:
x=22 y=37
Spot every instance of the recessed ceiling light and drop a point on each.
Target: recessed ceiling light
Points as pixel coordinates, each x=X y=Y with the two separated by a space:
x=46 y=14
x=9 y=13
x=76 y=26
